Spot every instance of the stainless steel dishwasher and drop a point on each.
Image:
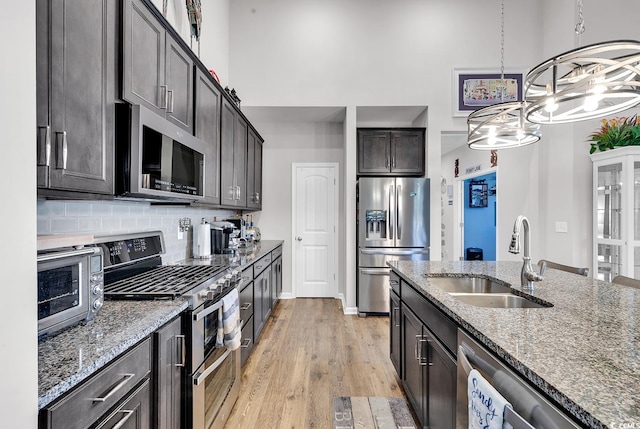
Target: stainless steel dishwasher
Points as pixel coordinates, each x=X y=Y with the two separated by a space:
x=530 y=410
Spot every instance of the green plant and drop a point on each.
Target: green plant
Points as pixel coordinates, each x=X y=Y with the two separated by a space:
x=616 y=132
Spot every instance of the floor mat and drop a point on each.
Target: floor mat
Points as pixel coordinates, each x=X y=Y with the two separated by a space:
x=362 y=412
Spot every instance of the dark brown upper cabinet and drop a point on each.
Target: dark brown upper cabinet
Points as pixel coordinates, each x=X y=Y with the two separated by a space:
x=75 y=79
x=157 y=71
x=207 y=128
x=391 y=152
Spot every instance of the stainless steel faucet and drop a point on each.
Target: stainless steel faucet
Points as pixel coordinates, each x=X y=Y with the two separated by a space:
x=528 y=275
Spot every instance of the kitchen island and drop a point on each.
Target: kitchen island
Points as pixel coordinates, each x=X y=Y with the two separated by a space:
x=583 y=352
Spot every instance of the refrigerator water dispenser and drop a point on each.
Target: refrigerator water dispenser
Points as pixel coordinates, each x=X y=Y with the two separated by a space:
x=376 y=224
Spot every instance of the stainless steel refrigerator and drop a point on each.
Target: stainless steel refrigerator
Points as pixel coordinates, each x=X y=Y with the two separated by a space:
x=393 y=224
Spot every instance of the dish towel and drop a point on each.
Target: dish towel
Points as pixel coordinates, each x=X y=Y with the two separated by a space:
x=229 y=323
x=486 y=404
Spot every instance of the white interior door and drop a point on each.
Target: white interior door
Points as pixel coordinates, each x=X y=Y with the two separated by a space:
x=314 y=230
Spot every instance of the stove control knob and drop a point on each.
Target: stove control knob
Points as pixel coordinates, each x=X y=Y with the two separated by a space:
x=97 y=304
x=97 y=289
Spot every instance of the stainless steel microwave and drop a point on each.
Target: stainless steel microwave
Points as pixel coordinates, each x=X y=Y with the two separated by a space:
x=70 y=287
x=155 y=159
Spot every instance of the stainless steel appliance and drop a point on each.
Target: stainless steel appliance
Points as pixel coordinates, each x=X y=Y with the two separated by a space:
x=134 y=270
x=530 y=409
x=70 y=287
x=156 y=159
x=393 y=224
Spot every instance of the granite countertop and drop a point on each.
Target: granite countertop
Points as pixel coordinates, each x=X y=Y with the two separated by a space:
x=66 y=359
x=71 y=356
x=242 y=259
x=584 y=352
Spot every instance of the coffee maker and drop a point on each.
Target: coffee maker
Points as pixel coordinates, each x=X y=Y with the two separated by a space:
x=220 y=234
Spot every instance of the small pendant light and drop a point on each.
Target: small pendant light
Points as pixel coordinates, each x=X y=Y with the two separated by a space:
x=501 y=125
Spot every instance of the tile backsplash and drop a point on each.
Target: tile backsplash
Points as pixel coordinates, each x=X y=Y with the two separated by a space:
x=115 y=217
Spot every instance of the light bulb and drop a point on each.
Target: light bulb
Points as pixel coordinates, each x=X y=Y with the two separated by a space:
x=590 y=103
x=551 y=105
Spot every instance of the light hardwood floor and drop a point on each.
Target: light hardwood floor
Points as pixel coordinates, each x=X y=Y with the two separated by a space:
x=309 y=352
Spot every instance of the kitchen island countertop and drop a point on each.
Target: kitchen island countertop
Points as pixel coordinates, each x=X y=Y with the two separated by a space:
x=584 y=352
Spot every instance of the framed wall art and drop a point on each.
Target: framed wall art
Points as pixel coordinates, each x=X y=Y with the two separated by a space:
x=474 y=89
x=478 y=195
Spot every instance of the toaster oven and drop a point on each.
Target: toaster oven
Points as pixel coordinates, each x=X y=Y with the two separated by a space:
x=70 y=287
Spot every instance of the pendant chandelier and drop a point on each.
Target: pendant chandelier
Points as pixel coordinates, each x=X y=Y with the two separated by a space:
x=584 y=83
x=501 y=125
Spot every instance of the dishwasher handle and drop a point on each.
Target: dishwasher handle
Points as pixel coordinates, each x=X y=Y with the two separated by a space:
x=510 y=416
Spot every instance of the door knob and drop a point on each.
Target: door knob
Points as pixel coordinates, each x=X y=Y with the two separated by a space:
x=299 y=238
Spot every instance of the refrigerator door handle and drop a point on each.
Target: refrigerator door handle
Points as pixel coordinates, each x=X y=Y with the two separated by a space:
x=399 y=217
x=394 y=252
x=392 y=210
x=375 y=271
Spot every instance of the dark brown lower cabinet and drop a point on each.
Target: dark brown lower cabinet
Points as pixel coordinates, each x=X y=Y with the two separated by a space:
x=135 y=413
x=169 y=360
x=395 y=346
x=428 y=372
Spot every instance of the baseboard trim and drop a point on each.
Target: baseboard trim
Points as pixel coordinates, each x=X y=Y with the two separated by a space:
x=345 y=309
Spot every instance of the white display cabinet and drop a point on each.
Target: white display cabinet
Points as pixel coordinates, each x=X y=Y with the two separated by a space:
x=616 y=218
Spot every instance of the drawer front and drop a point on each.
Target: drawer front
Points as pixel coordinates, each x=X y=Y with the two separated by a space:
x=247 y=277
x=276 y=252
x=439 y=323
x=246 y=344
x=246 y=303
x=134 y=413
x=261 y=264
x=86 y=404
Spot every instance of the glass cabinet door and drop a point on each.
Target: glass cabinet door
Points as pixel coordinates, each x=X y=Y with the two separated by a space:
x=609 y=205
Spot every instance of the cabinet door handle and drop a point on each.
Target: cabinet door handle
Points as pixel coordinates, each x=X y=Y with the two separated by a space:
x=393 y=162
x=61 y=148
x=125 y=380
x=238 y=191
x=123 y=420
x=422 y=359
x=170 y=101
x=183 y=350
x=396 y=317
x=246 y=306
x=386 y=163
x=165 y=96
x=44 y=150
x=257 y=197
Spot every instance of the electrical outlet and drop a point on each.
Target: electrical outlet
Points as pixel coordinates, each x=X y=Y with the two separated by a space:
x=562 y=227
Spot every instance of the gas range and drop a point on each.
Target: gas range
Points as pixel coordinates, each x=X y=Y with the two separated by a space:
x=133 y=270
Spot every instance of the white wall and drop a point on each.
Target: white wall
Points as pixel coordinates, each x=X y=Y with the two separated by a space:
x=18 y=343
x=372 y=53
x=377 y=53
x=286 y=143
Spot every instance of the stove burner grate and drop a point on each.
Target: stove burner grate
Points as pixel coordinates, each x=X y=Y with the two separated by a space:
x=169 y=281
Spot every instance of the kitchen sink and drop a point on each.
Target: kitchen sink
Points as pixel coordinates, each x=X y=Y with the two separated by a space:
x=498 y=300
x=483 y=292
x=469 y=284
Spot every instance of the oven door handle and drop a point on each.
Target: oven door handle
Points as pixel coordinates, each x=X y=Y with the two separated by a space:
x=65 y=254
x=207 y=311
x=199 y=378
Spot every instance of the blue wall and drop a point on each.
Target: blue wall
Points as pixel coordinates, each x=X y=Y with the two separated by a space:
x=480 y=223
